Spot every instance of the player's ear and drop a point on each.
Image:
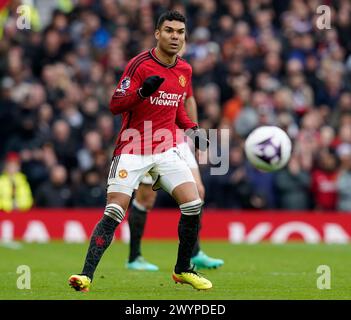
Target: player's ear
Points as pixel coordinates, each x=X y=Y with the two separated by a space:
x=157 y=34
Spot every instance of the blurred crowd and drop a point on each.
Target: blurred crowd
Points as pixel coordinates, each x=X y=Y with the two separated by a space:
x=255 y=62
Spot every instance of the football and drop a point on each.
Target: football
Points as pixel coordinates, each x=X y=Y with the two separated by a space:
x=268 y=148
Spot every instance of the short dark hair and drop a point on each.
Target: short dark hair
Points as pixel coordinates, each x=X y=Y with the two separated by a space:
x=170 y=16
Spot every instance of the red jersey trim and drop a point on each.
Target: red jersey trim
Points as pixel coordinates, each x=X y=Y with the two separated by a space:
x=140 y=56
x=153 y=56
x=135 y=67
x=135 y=64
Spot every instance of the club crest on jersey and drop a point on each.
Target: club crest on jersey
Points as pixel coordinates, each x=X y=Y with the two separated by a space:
x=122 y=173
x=125 y=83
x=182 y=81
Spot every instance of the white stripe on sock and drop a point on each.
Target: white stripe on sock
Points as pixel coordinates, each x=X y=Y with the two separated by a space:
x=191 y=208
x=115 y=212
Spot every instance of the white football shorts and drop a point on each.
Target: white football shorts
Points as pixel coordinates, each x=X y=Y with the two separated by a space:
x=167 y=170
x=185 y=153
x=188 y=155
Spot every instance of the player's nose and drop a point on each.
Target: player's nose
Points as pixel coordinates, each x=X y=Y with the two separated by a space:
x=174 y=36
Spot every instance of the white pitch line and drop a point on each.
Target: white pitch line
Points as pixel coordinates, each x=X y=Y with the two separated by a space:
x=11 y=245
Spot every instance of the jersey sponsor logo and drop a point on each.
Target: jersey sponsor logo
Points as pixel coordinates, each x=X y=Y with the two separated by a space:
x=125 y=83
x=182 y=81
x=166 y=99
x=122 y=173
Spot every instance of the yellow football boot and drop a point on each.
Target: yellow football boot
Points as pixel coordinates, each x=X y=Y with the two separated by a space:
x=79 y=282
x=193 y=278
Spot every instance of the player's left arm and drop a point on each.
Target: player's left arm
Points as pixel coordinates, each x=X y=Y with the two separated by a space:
x=190 y=104
x=199 y=137
x=183 y=121
x=191 y=109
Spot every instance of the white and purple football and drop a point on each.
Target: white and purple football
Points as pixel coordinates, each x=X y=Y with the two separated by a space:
x=268 y=148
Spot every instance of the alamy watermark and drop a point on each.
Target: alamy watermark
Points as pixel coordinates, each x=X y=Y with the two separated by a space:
x=24 y=280
x=324 y=280
x=323 y=21
x=24 y=17
x=151 y=141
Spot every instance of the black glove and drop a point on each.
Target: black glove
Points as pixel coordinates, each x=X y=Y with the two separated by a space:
x=150 y=85
x=199 y=138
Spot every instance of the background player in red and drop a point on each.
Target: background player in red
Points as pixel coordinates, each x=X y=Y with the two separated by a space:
x=145 y=199
x=152 y=107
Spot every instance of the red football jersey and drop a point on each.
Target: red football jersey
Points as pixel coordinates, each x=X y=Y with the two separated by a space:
x=324 y=189
x=149 y=125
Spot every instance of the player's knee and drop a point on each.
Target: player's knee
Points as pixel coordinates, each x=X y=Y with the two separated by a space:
x=192 y=207
x=185 y=192
x=119 y=199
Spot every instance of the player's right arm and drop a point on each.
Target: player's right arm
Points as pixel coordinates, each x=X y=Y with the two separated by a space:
x=132 y=89
x=126 y=96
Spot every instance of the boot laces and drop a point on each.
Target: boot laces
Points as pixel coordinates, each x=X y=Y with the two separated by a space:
x=195 y=273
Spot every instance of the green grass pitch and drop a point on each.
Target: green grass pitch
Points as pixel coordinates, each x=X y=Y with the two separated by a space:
x=262 y=271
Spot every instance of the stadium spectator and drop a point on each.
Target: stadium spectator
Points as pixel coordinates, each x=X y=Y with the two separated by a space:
x=90 y=110
x=233 y=106
x=7 y=113
x=343 y=109
x=55 y=193
x=344 y=179
x=45 y=118
x=235 y=191
x=64 y=143
x=106 y=129
x=92 y=145
x=323 y=184
x=263 y=195
x=36 y=164
x=91 y=192
x=292 y=184
x=15 y=192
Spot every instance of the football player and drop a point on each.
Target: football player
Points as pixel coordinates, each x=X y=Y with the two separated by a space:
x=150 y=98
x=145 y=198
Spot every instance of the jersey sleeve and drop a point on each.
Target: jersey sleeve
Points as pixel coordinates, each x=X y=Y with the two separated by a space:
x=126 y=97
x=189 y=90
x=182 y=119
